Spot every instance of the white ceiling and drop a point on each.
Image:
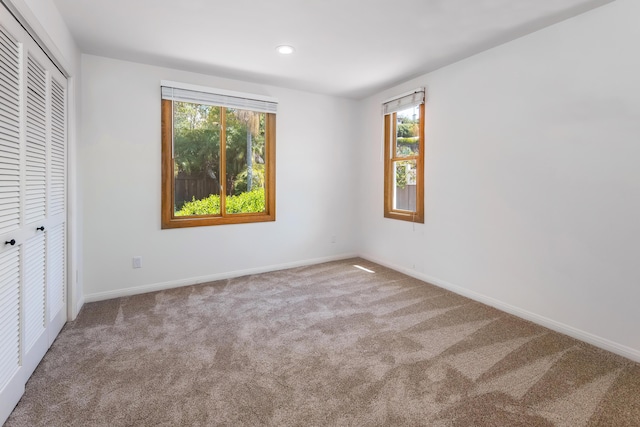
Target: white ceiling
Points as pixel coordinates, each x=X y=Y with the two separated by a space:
x=348 y=48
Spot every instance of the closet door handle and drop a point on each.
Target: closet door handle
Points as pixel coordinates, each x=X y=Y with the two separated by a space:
x=41 y=228
x=10 y=242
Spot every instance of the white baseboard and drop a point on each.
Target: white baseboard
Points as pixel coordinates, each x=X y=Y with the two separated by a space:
x=100 y=296
x=603 y=343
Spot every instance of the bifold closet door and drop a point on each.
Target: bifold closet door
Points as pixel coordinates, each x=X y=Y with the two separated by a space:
x=11 y=381
x=33 y=171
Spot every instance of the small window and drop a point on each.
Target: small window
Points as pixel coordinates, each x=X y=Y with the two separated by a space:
x=218 y=157
x=404 y=157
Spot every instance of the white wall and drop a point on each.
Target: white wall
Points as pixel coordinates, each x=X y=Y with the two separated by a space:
x=120 y=158
x=47 y=23
x=532 y=178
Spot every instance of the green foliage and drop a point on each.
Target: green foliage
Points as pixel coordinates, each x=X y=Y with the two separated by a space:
x=408 y=146
x=408 y=126
x=251 y=201
x=410 y=140
x=408 y=129
x=240 y=184
x=196 y=139
x=405 y=174
x=196 y=151
x=207 y=206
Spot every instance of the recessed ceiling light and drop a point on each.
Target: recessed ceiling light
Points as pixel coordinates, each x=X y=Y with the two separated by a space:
x=285 y=49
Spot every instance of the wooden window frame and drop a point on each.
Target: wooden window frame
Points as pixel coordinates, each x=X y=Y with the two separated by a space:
x=390 y=156
x=168 y=218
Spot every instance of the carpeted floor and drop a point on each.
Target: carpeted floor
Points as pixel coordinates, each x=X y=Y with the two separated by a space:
x=327 y=344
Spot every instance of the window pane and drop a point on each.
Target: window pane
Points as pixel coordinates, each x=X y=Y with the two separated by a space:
x=196 y=152
x=408 y=132
x=245 y=154
x=404 y=193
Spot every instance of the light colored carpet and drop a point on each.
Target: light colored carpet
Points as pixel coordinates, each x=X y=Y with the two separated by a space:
x=327 y=344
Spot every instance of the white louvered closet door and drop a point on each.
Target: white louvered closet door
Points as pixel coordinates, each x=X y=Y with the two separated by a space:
x=34 y=321
x=11 y=383
x=33 y=173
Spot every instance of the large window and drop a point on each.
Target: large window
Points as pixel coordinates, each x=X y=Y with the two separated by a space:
x=218 y=157
x=404 y=157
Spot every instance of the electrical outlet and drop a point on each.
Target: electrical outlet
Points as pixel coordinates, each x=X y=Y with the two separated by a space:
x=334 y=238
x=137 y=262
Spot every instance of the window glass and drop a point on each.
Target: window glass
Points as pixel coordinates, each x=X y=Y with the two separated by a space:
x=196 y=159
x=245 y=156
x=404 y=197
x=408 y=132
